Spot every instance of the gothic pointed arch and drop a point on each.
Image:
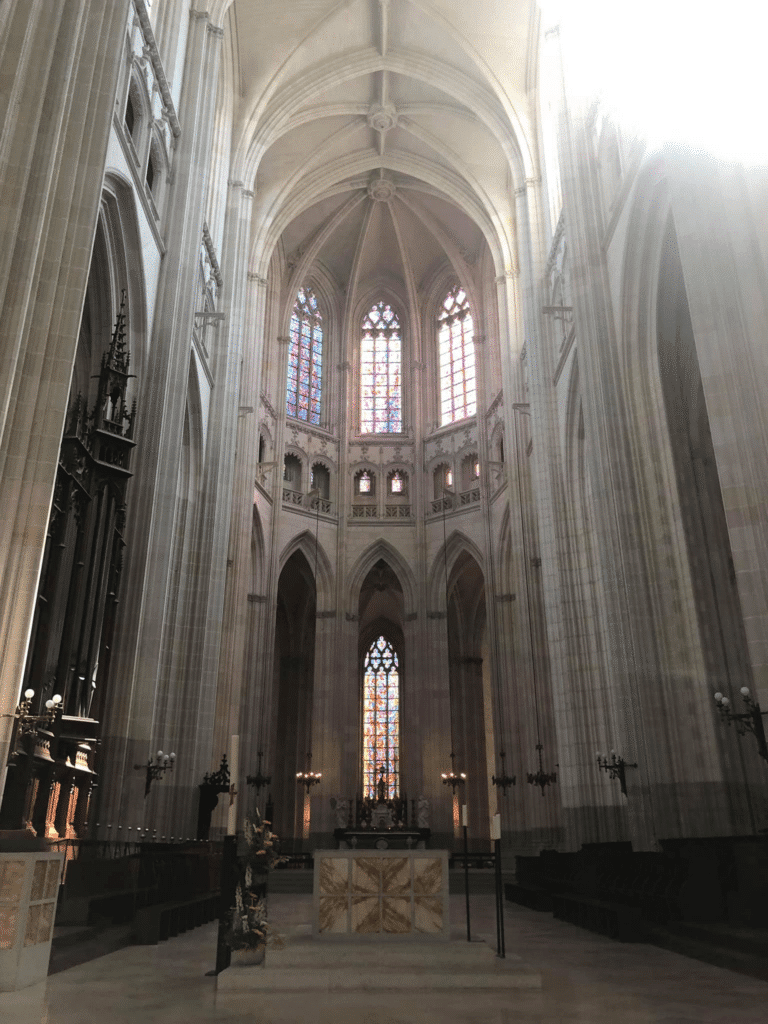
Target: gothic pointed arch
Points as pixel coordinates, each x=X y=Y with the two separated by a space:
x=381 y=550
x=457 y=544
x=315 y=555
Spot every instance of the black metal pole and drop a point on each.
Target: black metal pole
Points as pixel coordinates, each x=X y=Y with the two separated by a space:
x=500 y=947
x=466 y=879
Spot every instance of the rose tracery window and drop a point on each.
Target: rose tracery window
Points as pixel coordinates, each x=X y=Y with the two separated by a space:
x=381 y=719
x=305 y=359
x=381 y=398
x=458 y=395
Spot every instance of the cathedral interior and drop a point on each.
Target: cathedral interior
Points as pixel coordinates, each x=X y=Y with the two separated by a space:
x=382 y=449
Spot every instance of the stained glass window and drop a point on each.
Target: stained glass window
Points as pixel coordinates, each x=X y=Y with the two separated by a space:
x=305 y=359
x=364 y=483
x=381 y=398
x=458 y=395
x=396 y=484
x=381 y=719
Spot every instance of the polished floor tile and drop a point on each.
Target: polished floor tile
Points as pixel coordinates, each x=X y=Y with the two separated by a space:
x=586 y=979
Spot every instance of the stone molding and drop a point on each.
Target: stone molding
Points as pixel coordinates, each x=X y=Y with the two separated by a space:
x=210 y=250
x=556 y=240
x=268 y=406
x=157 y=65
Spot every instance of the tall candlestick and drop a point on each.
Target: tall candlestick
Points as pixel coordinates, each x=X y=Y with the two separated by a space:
x=234 y=774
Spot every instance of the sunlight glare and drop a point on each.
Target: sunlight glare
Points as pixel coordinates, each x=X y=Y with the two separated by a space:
x=671 y=70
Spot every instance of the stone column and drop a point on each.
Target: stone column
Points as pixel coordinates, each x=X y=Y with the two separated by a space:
x=538 y=493
x=58 y=60
x=720 y=217
x=199 y=690
x=331 y=706
x=140 y=654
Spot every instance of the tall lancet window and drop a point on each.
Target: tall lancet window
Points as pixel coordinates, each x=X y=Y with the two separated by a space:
x=305 y=359
x=381 y=720
x=381 y=392
x=458 y=394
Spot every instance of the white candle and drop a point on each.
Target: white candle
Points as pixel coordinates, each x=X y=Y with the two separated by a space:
x=464 y=816
x=234 y=769
x=496 y=826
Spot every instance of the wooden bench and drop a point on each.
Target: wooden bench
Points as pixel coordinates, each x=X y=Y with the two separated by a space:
x=616 y=920
x=165 y=920
x=532 y=896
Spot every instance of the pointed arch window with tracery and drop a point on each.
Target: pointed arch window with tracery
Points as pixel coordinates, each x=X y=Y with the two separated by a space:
x=456 y=344
x=381 y=392
x=381 y=719
x=305 y=359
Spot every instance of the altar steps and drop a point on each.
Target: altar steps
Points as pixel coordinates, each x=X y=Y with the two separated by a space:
x=304 y=965
x=481 y=880
x=291 y=881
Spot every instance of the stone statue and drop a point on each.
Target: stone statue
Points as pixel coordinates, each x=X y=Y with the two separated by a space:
x=422 y=812
x=340 y=808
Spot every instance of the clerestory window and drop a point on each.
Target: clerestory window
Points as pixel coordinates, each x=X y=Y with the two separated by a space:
x=381 y=393
x=305 y=359
x=458 y=394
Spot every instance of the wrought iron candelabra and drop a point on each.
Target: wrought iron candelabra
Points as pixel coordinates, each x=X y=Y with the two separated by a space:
x=218 y=780
x=503 y=780
x=541 y=778
x=308 y=778
x=616 y=768
x=258 y=780
x=155 y=769
x=452 y=778
x=750 y=720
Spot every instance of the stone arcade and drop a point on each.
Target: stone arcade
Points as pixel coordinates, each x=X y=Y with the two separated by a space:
x=370 y=395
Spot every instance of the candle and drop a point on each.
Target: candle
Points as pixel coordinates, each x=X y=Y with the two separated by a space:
x=234 y=767
x=464 y=817
x=496 y=826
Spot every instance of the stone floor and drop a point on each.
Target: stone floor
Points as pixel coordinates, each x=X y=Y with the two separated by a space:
x=585 y=979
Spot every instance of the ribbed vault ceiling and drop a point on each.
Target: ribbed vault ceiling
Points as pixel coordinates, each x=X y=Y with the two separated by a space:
x=383 y=137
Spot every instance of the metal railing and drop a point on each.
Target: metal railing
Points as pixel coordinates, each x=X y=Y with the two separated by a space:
x=307 y=501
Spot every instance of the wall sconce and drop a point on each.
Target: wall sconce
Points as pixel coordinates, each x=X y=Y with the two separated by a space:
x=503 y=780
x=616 y=768
x=541 y=778
x=453 y=779
x=749 y=721
x=155 y=769
x=260 y=781
x=27 y=723
x=308 y=778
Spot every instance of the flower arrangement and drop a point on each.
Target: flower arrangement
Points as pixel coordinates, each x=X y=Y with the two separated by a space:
x=248 y=927
x=262 y=851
